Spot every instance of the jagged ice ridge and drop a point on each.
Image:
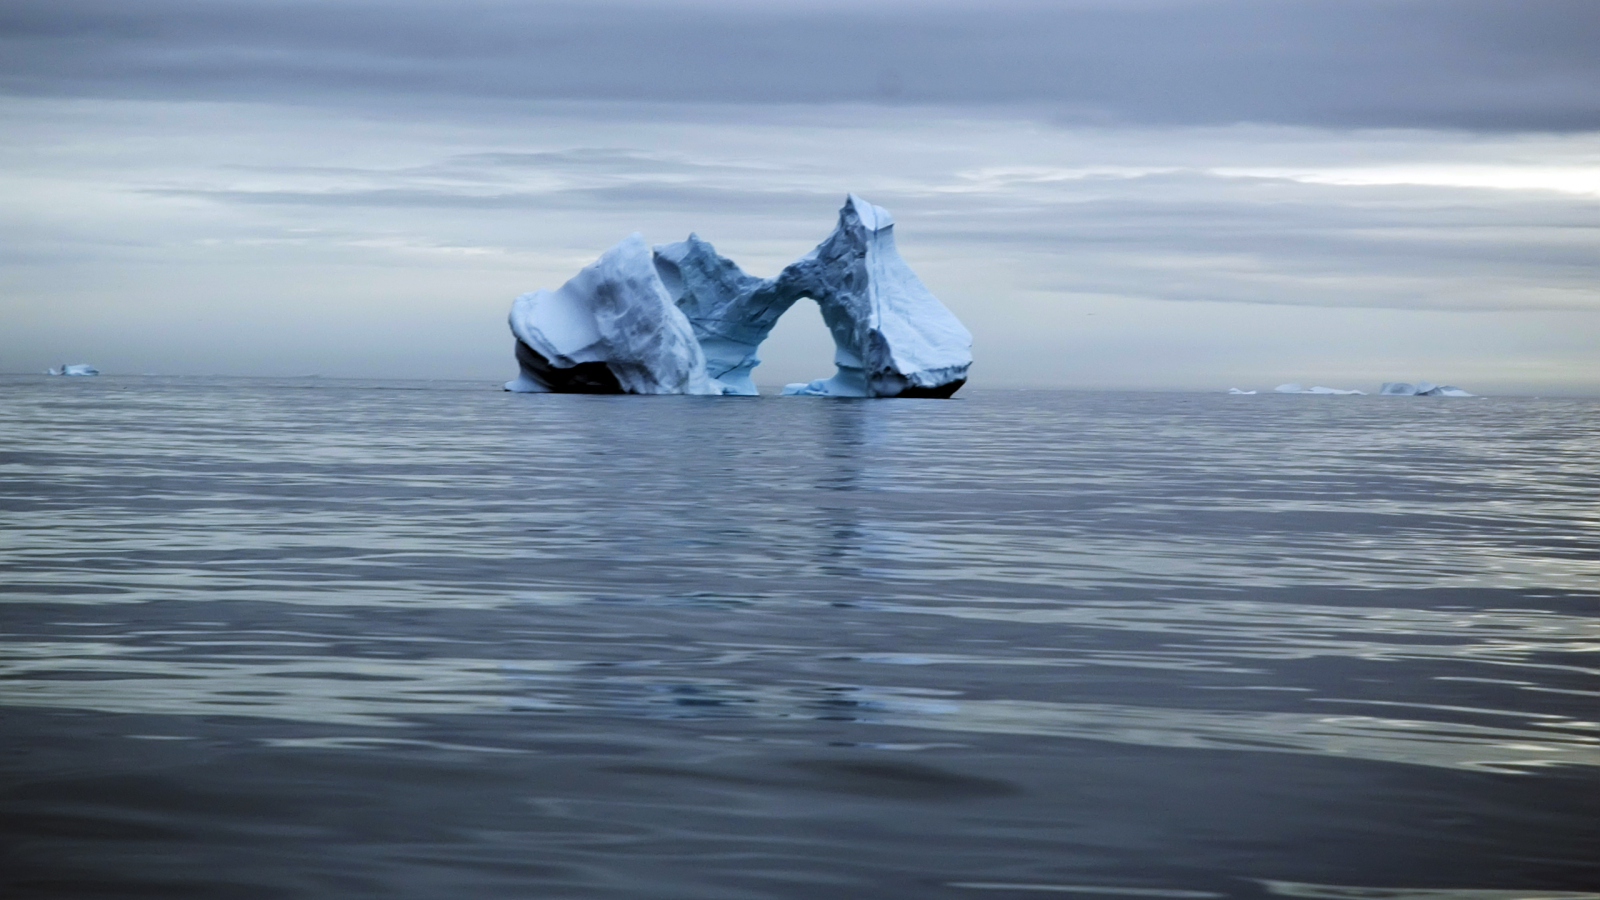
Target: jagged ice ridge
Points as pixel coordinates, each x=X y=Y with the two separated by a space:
x=1421 y=389
x=683 y=319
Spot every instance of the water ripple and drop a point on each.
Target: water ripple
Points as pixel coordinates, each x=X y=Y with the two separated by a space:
x=1337 y=589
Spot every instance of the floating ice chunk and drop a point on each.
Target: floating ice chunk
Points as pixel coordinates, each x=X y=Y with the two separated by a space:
x=73 y=369
x=1237 y=391
x=1421 y=389
x=1293 y=388
x=611 y=329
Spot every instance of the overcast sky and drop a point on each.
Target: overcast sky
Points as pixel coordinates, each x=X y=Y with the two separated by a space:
x=1144 y=194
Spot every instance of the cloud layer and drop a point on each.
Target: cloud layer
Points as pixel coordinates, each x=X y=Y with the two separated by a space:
x=1476 y=64
x=1146 y=194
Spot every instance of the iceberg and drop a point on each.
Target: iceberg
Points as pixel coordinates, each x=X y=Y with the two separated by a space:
x=683 y=319
x=1421 y=389
x=1292 y=388
x=1237 y=391
x=73 y=369
x=1389 y=388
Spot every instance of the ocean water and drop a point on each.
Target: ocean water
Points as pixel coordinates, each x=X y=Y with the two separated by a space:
x=321 y=638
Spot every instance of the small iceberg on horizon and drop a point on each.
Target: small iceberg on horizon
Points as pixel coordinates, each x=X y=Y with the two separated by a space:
x=1421 y=389
x=1293 y=388
x=1237 y=391
x=73 y=369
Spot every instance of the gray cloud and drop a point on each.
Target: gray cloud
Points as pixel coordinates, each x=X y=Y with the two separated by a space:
x=1423 y=230
x=1179 y=233
x=362 y=188
x=1472 y=64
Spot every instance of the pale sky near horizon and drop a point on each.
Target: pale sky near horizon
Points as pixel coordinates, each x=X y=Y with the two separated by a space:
x=1139 y=194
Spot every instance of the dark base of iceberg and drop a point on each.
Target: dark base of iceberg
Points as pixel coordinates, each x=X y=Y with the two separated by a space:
x=540 y=377
x=681 y=318
x=942 y=392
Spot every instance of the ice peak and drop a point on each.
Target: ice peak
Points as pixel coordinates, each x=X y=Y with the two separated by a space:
x=873 y=218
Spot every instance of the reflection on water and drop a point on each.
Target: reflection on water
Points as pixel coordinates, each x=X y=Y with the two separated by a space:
x=384 y=692
x=768 y=597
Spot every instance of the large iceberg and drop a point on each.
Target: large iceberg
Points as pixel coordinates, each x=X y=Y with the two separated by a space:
x=1421 y=389
x=687 y=320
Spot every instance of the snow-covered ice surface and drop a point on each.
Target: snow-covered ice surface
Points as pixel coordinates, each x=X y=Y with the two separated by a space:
x=74 y=369
x=1421 y=389
x=1293 y=388
x=687 y=320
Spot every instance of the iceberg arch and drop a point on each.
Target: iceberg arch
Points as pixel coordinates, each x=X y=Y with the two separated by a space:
x=652 y=321
x=892 y=337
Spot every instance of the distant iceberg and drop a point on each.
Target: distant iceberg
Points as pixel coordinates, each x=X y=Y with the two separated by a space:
x=683 y=319
x=1421 y=389
x=1292 y=388
x=1237 y=391
x=73 y=369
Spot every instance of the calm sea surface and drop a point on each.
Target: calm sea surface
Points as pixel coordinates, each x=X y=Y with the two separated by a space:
x=326 y=639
